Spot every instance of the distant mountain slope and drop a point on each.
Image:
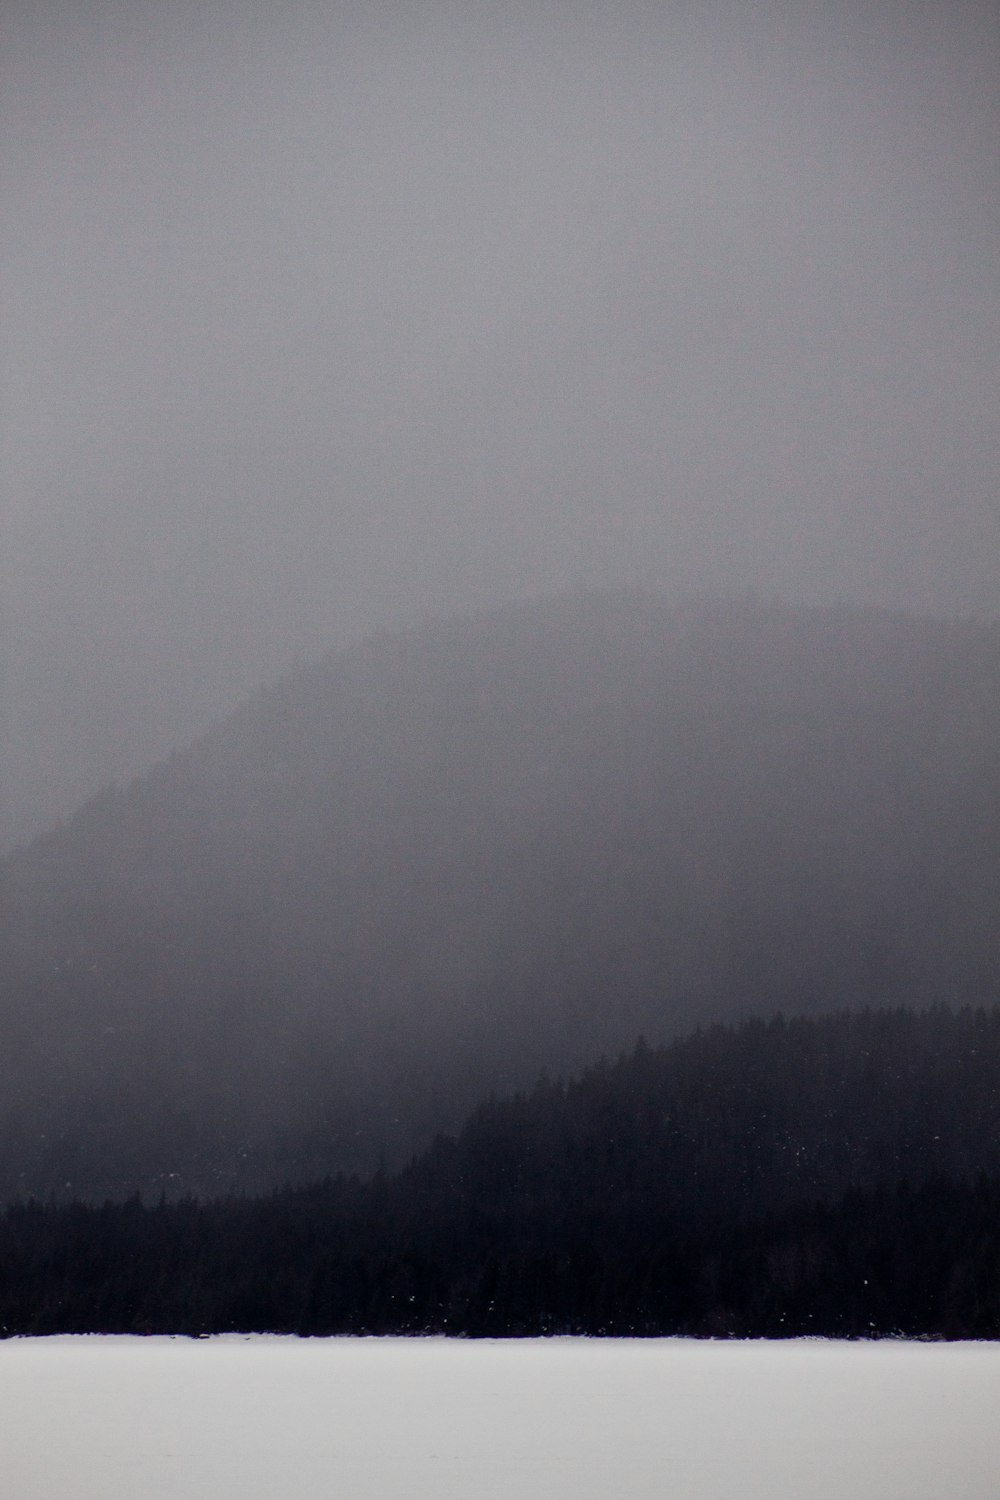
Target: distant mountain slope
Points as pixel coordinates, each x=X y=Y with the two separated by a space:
x=444 y=860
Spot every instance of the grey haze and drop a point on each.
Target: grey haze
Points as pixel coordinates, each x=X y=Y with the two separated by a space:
x=321 y=317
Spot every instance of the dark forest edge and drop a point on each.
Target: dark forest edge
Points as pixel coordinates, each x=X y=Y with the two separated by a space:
x=837 y=1176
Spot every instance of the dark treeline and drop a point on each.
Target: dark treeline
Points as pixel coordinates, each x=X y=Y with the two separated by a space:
x=836 y=1176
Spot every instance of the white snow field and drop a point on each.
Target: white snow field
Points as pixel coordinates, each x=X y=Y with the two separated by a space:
x=433 y=1419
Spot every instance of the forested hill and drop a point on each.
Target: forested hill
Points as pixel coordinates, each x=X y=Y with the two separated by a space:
x=437 y=863
x=834 y=1176
x=732 y=1123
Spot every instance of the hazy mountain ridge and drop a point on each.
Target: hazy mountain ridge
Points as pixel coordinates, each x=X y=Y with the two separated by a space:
x=441 y=861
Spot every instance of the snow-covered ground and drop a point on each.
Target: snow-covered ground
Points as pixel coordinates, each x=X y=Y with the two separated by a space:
x=269 y=1418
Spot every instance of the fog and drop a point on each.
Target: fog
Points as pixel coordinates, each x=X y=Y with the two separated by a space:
x=322 y=317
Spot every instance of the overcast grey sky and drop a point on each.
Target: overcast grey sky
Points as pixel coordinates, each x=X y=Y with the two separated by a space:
x=317 y=316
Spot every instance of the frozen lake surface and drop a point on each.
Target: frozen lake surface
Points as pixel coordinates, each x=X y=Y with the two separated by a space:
x=431 y=1419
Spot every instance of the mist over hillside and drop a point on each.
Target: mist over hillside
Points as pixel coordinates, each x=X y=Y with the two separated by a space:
x=449 y=858
x=318 y=315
